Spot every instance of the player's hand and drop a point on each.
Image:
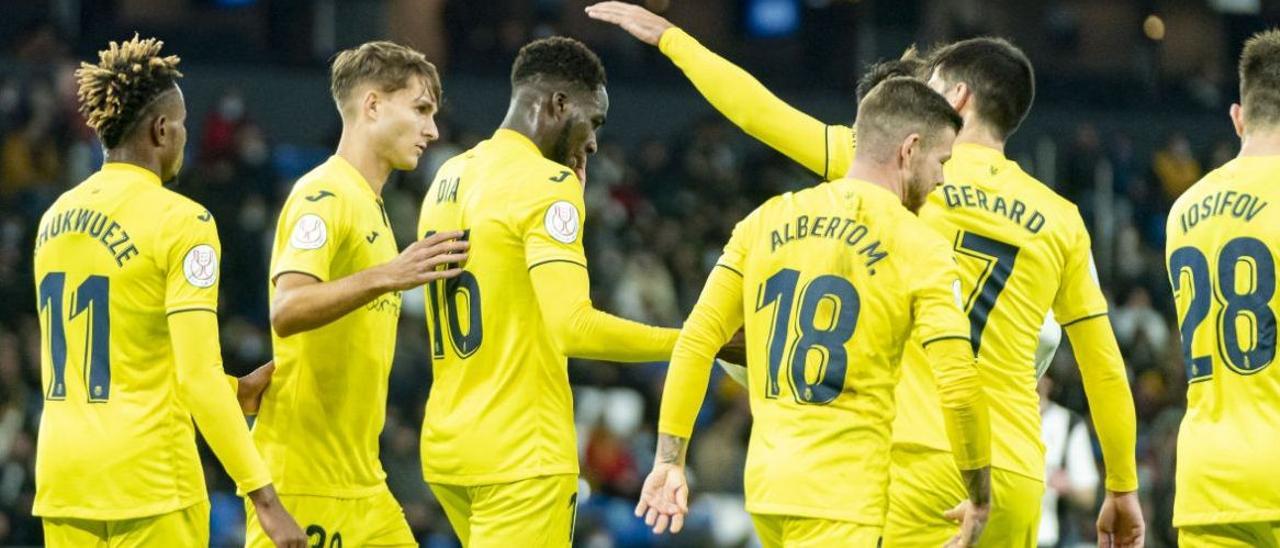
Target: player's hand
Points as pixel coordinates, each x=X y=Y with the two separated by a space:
x=734 y=351
x=417 y=264
x=1120 y=522
x=275 y=520
x=972 y=519
x=645 y=25
x=251 y=387
x=664 y=499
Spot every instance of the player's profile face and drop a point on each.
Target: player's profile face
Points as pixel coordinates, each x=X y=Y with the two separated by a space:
x=926 y=171
x=408 y=124
x=174 y=109
x=585 y=113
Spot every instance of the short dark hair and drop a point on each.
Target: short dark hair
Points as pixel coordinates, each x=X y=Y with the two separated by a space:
x=559 y=58
x=898 y=107
x=999 y=75
x=1260 y=78
x=387 y=64
x=115 y=93
x=910 y=65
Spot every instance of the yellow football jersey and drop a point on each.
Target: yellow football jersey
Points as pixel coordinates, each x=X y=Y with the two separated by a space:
x=114 y=256
x=1223 y=234
x=500 y=409
x=320 y=419
x=834 y=278
x=1022 y=250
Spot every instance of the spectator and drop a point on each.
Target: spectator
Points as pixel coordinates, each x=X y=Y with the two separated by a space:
x=1175 y=166
x=1071 y=473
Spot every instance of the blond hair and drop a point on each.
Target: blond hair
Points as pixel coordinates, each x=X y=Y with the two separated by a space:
x=386 y=64
x=128 y=78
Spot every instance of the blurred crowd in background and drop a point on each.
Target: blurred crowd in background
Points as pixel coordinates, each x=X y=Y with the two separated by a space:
x=659 y=209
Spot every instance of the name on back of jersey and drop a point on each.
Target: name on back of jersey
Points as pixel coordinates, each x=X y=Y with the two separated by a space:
x=1240 y=205
x=94 y=224
x=1010 y=208
x=844 y=229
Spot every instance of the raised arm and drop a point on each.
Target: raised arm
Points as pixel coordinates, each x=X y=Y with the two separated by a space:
x=824 y=150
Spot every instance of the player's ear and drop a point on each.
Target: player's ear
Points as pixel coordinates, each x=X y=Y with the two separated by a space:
x=159 y=133
x=370 y=103
x=910 y=147
x=959 y=96
x=559 y=103
x=1237 y=118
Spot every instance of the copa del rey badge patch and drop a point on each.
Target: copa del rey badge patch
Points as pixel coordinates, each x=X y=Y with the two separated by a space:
x=309 y=232
x=201 y=266
x=562 y=222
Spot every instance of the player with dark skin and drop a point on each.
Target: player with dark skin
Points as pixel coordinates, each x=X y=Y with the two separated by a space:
x=156 y=143
x=561 y=119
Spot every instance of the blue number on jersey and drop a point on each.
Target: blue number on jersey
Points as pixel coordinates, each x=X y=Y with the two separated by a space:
x=465 y=285
x=829 y=342
x=93 y=296
x=1252 y=306
x=1000 y=258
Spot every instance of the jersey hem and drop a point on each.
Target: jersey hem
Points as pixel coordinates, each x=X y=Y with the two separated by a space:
x=276 y=275
x=470 y=480
x=331 y=492
x=1216 y=518
x=98 y=514
x=812 y=512
x=1084 y=317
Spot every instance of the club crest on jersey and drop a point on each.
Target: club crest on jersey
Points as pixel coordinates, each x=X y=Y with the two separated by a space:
x=201 y=266
x=562 y=222
x=309 y=232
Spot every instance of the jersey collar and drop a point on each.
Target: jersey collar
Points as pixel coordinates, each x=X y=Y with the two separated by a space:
x=131 y=169
x=514 y=138
x=973 y=152
x=351 y=175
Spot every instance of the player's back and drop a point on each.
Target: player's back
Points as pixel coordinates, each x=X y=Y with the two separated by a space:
x=831 y=274
x=1022 y=251
x=500 y=407
x=114 y=256
x=1223 y=233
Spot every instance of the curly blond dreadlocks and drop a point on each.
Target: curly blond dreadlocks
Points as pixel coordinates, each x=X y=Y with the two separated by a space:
x=116 y=92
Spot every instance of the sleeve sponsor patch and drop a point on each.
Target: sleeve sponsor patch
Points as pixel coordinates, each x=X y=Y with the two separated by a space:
x=563 y=222
x=309 y=232
x=201 y=266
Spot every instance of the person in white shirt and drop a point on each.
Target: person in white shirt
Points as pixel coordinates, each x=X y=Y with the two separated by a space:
x=1071 y=472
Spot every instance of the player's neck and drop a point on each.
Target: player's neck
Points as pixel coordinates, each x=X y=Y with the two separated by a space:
x=883 y=176
x=126 y=154
x=1260 y=143
x=356 y=152
x=977 y=134
x=522 y=118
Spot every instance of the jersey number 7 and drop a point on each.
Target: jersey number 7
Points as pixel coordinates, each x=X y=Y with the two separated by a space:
x=999 y=258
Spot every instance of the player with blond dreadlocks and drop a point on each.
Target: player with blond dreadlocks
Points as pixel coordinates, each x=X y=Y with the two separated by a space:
x=127 y=279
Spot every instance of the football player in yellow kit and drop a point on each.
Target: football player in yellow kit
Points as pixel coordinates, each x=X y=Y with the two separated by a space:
x=498 y=443
x=1223 y=240
x=1010 y=284
x=127 y=280
x=335 y=289
x=842 y=274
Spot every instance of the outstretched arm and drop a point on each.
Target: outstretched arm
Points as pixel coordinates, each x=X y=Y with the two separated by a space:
x=824 y=150
x=581 y=331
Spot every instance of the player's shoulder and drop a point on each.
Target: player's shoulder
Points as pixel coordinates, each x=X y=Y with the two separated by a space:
x=174 y=210
x=322 y=186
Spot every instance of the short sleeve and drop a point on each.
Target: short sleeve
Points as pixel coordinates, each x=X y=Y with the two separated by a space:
x=551 y=220
x=937 y=305
x=1079 y=295
x=193 y=257
x=309 y=233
